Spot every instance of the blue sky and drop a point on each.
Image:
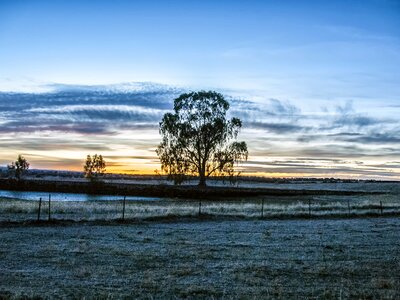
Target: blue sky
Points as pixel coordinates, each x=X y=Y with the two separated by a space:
x=311 y=79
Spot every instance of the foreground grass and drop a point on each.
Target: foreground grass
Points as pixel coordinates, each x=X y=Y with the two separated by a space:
x=355 y=258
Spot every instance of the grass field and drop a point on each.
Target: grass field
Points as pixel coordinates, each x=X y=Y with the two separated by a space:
x=310 y=246
x=320 y=259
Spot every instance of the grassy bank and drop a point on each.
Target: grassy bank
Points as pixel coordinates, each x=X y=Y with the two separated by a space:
x=161 y=190
x=247 y=207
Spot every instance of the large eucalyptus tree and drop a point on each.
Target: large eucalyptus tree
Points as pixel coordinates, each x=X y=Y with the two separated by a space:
x=198 y=139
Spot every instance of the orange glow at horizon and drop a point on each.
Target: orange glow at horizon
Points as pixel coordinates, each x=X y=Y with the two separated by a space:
x=151 y=170
x=134 y=153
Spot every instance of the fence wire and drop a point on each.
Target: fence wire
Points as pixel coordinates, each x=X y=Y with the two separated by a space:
x=50 y=208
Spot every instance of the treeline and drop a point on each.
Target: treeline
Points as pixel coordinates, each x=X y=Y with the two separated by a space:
x=38 y=173
x=157 y=190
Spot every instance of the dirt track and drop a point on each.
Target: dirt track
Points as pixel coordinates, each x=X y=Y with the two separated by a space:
x=357 y=258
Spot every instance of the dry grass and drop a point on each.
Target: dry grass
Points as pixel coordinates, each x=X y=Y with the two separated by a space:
x=14 y=209
x=253 y=259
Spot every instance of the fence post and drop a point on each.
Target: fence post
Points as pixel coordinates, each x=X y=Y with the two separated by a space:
x=309 y=208
x=381 y=208
x=123 y=209
x=200 y=208
x=348 y=206
x=40 y=205
x=49 y=207
x=262 y=208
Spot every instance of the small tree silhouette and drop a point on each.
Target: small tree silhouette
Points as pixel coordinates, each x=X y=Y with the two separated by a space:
x=19 y=166
x=94 y=167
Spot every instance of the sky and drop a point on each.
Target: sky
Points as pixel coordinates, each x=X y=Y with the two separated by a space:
x=316 y=83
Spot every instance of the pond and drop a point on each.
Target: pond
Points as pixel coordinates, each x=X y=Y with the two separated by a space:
x=24 y=195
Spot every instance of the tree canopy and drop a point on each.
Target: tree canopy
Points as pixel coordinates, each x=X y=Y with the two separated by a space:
x=19 y=166
x=94 y=166
x=198 y=139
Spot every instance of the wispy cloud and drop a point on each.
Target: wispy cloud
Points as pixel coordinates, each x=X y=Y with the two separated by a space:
x=376 y=138
x=277 y=128
x=85 y=109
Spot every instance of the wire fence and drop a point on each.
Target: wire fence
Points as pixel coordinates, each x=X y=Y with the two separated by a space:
x=49 y=208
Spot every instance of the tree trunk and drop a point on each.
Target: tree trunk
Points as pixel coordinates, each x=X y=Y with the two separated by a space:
x=202 y=173
x=202 y=182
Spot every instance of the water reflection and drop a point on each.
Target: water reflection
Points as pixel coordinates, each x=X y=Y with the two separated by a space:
x=69 y=196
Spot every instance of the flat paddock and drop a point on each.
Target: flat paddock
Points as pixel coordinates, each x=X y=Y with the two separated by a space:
x=327 y=258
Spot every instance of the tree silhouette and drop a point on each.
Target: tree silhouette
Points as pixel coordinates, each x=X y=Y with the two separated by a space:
x=197 y=139
x=94 y=167
x=19 y=166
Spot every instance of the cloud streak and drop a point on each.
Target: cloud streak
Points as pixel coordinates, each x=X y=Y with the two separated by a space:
x=86 y=110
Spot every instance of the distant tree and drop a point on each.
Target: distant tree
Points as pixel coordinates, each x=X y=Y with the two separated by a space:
x=18 y=167
x=198 y=140
x=94 y=167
